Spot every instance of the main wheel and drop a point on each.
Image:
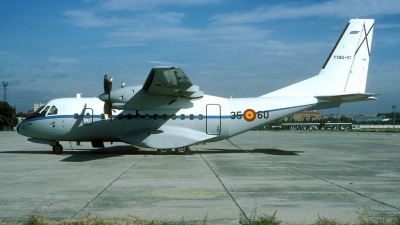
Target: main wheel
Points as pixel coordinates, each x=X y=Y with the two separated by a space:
x=164 y=151
x=182 y=150
x=57 y=149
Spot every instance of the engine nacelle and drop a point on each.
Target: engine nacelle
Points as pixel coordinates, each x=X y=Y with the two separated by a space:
x=134 y=98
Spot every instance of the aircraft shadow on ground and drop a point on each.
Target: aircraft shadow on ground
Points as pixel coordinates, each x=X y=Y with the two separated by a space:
x=257 y=150
x=84 y=155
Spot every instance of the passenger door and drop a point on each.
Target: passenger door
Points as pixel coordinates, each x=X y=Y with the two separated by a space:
x=213 y=119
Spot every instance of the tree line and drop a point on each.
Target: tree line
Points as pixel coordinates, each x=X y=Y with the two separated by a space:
x=8 y=118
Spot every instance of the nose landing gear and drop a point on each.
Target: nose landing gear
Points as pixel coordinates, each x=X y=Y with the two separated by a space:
x=57 y=149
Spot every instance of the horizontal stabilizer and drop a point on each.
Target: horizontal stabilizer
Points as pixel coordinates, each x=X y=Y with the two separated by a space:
x=348 y=97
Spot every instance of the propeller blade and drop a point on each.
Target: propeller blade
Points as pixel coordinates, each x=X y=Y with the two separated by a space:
x=108 y=110
x=106 y=85
x=110 y=84
x=106 y=97
x=110 y=107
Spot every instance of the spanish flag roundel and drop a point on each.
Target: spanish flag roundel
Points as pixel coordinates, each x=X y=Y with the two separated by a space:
x=249 y=115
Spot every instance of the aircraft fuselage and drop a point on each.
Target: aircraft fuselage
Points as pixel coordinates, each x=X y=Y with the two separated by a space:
x=182 y=123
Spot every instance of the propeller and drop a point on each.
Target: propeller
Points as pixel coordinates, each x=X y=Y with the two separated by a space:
x=106 y=96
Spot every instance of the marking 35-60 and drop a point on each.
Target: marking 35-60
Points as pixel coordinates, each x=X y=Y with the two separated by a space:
x=249 y=115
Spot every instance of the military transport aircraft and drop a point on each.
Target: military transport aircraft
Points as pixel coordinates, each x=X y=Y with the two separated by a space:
x=169 y=112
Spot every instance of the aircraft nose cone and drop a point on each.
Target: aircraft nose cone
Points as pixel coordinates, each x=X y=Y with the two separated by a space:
x=21 y=128
x=18 y=128
x=104 y=97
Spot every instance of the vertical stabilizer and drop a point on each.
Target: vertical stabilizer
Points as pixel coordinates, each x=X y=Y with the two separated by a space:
x=347 y=65
x=345 y=70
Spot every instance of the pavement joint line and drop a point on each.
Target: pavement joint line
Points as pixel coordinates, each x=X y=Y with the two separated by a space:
x=316 y=177
x=226 y=189
x=37 y=171
x=101 y=192
x=355 y=165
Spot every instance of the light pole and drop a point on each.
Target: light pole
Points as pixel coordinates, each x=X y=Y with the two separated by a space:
x=394 y=115
x=5 y=93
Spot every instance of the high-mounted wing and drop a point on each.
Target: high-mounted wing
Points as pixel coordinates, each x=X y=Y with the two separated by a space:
x=172 y=82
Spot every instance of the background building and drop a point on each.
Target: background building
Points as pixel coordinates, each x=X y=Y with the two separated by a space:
x=37 y=105
x=307 y=116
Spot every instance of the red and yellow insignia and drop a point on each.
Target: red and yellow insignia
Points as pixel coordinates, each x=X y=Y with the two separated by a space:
x=249 y=115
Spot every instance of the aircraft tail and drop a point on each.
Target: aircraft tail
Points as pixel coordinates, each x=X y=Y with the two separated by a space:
x=343 y=76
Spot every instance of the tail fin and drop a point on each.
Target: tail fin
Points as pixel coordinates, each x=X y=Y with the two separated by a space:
x=344 y=72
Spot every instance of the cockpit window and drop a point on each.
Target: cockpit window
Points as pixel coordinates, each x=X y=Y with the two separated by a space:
x=36 y=113
x=53 y=111
x=39 y=109
x=43 y=113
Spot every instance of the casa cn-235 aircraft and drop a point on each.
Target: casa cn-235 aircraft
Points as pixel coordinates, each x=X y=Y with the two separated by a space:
x=169 y=112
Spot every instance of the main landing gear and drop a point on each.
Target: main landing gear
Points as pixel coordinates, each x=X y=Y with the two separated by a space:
x=179 y=151
x=57 y=149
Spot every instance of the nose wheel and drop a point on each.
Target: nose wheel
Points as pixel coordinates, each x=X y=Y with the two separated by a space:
x=57 y=149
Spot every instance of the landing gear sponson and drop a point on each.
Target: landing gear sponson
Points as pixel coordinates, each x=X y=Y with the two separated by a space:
x=58 y=148
x=179 y=151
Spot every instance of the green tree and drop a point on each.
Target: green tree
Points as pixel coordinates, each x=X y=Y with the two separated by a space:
x=7 y=116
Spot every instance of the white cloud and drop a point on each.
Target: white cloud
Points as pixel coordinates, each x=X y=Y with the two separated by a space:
x=387 y=25
x=140 y=36
x=63 y=60
x=88 y=19
x=336 y=8
x=168 y=17
x=38 y=66
x=98 y=19
x=51 y=76
x=150 y=4
x=160 y=63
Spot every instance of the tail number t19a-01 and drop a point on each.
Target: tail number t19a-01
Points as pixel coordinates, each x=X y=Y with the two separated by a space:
x=249 y=115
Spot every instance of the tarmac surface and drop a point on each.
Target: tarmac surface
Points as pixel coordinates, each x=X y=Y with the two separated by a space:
x=300 y=175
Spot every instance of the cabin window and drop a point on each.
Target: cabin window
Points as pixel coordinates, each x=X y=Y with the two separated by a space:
x=165 y=116
x=155 y=116
x=147 y=116
x=120 y=116
x=182 y=116
x=200 y=116
x=129 y=116
x=53 y=111
x=173 y=116
x=191 y=117
x=76 y=116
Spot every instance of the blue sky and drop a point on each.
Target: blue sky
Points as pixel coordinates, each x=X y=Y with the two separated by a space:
x=52 y=49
